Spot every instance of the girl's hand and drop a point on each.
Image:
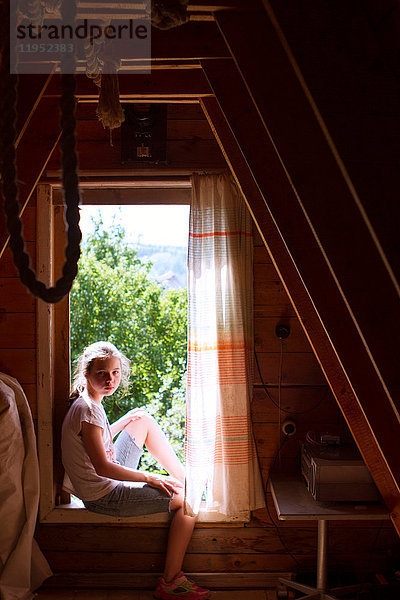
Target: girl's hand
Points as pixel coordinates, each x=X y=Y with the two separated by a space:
x=133 y=415
x=165 y=483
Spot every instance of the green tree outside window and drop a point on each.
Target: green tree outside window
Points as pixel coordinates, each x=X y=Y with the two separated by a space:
x=113 y=298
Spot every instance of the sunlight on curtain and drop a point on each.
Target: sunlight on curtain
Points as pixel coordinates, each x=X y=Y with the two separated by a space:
x=221 y=459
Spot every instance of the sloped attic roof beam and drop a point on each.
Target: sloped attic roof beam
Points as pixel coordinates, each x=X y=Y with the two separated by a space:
x=329 y=325
x=319 y=187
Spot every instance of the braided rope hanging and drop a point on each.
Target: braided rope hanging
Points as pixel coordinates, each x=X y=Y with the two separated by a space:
x=69 y=172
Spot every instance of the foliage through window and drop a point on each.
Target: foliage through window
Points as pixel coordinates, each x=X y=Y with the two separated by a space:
x=115 y=298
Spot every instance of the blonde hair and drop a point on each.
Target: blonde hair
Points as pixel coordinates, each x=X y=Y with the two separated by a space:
x=86 y=360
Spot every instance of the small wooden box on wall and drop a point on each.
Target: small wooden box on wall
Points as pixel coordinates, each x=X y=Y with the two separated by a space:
x=144 y=133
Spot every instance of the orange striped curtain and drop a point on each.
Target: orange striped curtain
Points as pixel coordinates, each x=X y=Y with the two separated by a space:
x=221 y=461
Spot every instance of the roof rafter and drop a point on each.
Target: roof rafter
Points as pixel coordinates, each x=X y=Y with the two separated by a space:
x=328 y=325
x=185 y=83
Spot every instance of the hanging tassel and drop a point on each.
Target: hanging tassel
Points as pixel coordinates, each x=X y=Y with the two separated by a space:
x=102 y=68
x=109 y=109
x=93 y=62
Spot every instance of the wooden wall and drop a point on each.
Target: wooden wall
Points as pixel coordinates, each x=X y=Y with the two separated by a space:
x=305 y=397
x=18 y=314
x=190 y=142
x=263 y=545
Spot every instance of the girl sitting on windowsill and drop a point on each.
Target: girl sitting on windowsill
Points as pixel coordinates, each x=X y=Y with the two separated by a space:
x=105 y=476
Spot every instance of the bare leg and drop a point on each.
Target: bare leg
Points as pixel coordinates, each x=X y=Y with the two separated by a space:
x=180 y=532
x=147 y=431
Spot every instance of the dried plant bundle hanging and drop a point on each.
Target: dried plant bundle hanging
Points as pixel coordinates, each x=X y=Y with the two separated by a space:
x=109 y=109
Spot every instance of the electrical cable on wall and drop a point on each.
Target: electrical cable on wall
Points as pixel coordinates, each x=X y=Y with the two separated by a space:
x=285 y=439
x=311 y=439
x=279 y=394
x=281 y=443
x=264 y=386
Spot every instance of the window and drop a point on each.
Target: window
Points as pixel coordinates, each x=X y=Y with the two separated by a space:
x=117 y=297
x=53 y=334
x=53 y=326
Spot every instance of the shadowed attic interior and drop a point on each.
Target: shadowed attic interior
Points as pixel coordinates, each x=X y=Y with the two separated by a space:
x=311 y=138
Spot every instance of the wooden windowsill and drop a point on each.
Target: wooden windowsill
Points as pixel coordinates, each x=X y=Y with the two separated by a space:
x=75 y=512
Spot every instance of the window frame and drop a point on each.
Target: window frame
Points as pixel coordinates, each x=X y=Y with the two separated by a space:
x=53 y=352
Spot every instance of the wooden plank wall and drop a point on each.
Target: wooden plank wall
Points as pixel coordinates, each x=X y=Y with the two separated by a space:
x=190 y=142
x=263 y=545
x=18 y=313
x=307 y=400
x=305 y=397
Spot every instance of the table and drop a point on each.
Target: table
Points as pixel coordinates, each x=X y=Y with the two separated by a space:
x=294 y=502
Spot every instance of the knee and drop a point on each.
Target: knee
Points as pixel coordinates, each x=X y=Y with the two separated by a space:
x=145 y=417
x=141 y=416
x=177 y=502
x=139 y=427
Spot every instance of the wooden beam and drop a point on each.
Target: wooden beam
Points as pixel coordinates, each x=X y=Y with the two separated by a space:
x=148 y=99
x=162 y=83
x=30 y=91
x=140 y=171
x=119 y=15
x=324 y=190
x=309 y=284
x=131 y=183
x=99 y=9
x=44 y=354
x=186 y=154
x=34 y=152
x=142 y=581
x=354 y=83
x=61 y=367
x=192 y=41
x=146 y=67
x=121 y=196
x=199 y=5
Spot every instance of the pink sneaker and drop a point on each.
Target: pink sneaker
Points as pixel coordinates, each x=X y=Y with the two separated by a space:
x=180 y=587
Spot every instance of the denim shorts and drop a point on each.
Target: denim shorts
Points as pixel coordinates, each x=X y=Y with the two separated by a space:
x=130 y=498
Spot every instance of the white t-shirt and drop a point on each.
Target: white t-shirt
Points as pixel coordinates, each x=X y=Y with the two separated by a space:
x=81 y=478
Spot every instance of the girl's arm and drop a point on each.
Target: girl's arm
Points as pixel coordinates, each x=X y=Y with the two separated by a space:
x=119 y=425
x=93 y=441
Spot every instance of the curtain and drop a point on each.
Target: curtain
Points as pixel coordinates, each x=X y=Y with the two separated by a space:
x=221 y=461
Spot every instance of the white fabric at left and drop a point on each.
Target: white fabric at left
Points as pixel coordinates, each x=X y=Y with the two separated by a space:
x=23 y=568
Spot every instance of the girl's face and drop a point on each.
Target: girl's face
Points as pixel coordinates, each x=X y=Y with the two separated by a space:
x=103 y=377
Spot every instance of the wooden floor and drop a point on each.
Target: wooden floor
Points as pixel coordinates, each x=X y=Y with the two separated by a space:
x=60 y=594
